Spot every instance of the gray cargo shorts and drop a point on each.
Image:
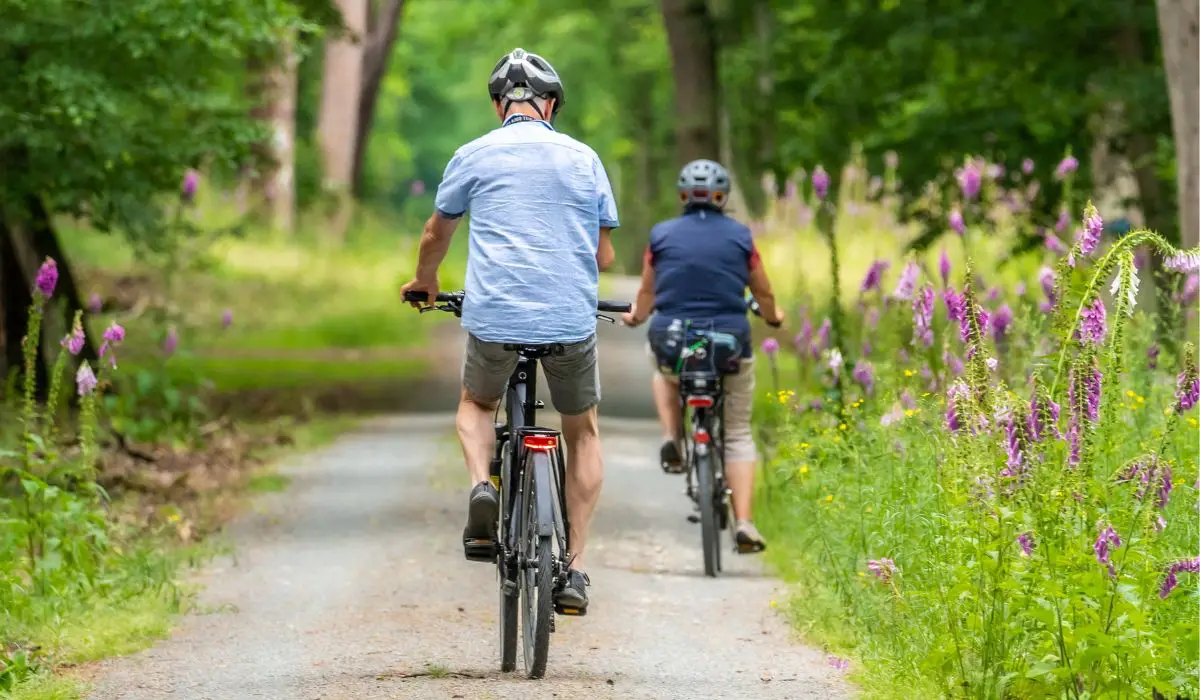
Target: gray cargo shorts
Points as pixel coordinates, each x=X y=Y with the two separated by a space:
x=573 y=376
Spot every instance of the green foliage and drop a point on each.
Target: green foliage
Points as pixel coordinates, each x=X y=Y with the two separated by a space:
x=106 y=106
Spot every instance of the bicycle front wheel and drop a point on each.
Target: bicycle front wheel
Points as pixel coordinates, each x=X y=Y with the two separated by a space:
x=537 y=584
x=710 y=533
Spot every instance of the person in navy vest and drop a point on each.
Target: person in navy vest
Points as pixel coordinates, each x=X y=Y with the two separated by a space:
x=697 y=268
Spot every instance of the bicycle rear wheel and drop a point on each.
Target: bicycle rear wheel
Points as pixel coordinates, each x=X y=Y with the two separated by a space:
x=710 y=533
x=510 y=583
x=537 y=582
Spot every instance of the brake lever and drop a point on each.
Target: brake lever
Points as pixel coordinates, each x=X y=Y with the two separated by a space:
x=607 y=318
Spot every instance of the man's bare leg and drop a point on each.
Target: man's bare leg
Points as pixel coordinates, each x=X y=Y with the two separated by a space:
x=477 y=433
x=585 y=475
x=666 y=401
x=741 y=480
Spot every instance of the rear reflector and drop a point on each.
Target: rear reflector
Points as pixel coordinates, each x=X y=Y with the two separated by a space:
x=700 y=401
x=701 y=437
x=541 y=443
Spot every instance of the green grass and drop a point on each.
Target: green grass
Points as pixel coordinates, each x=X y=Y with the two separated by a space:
x=305 y=312
x=145 y=603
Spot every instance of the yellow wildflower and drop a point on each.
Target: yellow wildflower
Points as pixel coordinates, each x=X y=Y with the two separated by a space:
x=910 y=412
x=1131 y=393
x=842 y=426
x=909 y=373
x=805 y=445
x=1192 y=421
x=174 y=518
x=803 y=468
x=829 y=498
x=1141 y=399
x=863 y=574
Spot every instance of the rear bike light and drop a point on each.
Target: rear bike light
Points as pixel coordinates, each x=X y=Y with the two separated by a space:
x=700 y=401
x=540 y=443
x=701 y=437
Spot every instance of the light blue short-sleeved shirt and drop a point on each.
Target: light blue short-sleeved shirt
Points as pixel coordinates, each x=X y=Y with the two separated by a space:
x=537 y=200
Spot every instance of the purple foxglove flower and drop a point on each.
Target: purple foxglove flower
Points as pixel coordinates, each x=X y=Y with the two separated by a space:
x=73 y=341
x=872 y=318
x=903 y=355
x=822 y=339
x=1027 y=166
x=1025 y=540
x=1001 y=320
x=970 y=179
x=95 y=303
x=956 y=392
x=1191 y=566
x=907 y=400
x=1013 y=447
x=944 y=267
x=1046 y=279
x=995 y=171
x=1093 y=325
x=770 y=346
x=1187 y=390
x=874 y=276
x=1091 y=399
x=1165 y=479
x=993 y=293
x=892 y=417
x=191 y=181
x=908 y=282
x=1054 y=244
x=1108 y=540
x=864 y=374
x=1089 y=236
x=1183 y=262
x=1152 y=356
x=923 y=316
x=1064 y=220
x=417 y=188
x=955 y=304
x=866 y=348
x=883 y=569
x=954 y=364
x=47 y=279
x=85 y=379
x=1191 y=289
x=838 y=663
x=835 y=363
x=1020 y=289
x=171 y=342
x=820 y=182
x=803 y=338
x=1065 y=167
x=227 y=318
x=992 y=363
x=113 y=336
x=957 y=224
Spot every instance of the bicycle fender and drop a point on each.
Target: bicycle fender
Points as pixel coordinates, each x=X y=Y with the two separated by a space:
x=540 y=461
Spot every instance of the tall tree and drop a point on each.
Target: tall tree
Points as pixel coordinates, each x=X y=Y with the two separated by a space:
x=1178 y=26
x=383 y=28
x=691 y=39
x=337 y=125
x=270 y=181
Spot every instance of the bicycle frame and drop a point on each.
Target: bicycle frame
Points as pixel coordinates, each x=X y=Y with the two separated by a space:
x=707 y=406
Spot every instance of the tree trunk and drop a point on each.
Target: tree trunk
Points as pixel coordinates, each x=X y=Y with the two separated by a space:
x=385 y=26
x=337 y=125
x=693 y=63
x=1179 y=25
x=270 y=188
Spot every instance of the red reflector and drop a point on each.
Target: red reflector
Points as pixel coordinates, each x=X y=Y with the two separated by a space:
x=701 y=437
x=541 y=443
x=700 y=401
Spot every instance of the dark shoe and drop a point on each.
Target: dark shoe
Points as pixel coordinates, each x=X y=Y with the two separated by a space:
x=670 y=459
x=573 y=598
x=748 y=539
x=479 y=537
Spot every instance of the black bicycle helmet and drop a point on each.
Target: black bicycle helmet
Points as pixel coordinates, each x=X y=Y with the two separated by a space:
x=703 y=182
x=521 y=76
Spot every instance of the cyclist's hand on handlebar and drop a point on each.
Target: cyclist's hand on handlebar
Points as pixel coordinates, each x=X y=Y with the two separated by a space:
x=629 y=319
x=429 y=287
x=776 y=322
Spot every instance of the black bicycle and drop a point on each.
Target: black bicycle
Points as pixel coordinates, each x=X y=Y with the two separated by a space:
x=705 y=357
x=533 y=547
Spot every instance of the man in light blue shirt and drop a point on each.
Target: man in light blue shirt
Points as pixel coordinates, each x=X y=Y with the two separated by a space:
x=541 y=212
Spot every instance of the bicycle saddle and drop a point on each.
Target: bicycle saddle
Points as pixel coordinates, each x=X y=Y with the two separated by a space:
x=535 y=351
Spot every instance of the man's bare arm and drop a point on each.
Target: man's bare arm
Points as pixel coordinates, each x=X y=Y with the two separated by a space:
x=760 y=287
x=435 y=243
x=604 y=252
x=643 y=306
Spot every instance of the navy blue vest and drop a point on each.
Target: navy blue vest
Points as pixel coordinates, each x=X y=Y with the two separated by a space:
x=701 y=268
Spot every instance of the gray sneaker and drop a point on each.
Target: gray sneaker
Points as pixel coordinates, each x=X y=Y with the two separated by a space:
x=573 y=598
x=748 y=539
x=479 y=536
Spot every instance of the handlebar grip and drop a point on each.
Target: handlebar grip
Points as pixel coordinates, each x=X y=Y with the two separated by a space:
x=616 y=307
x=413 y=295
x=778 y=324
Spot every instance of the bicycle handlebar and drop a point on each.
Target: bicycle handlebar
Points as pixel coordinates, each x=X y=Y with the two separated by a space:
x=455 y=299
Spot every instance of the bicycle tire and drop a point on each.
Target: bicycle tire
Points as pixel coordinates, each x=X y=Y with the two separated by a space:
x=537 y=615
x=510 y=603
x=709 y=533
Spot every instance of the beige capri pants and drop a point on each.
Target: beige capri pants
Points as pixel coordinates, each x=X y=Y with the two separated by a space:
x=739 y=400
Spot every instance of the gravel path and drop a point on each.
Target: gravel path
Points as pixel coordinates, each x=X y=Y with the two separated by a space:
x=352 y=585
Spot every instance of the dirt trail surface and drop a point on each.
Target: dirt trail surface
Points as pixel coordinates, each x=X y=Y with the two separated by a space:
x=352 y=585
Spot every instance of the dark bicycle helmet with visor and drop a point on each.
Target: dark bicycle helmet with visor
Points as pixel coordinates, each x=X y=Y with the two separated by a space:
x=521 y=76
x=703 y=183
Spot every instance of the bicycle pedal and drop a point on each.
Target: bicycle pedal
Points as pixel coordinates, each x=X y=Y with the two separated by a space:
x=480 y=550
x=570 y=612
